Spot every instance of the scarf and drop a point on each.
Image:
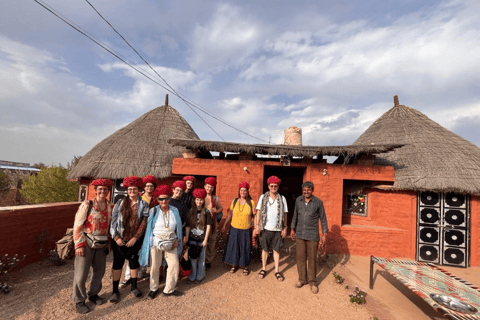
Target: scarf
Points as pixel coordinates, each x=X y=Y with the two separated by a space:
x=263 y=210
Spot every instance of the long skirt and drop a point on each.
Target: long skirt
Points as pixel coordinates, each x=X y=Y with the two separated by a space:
x=238 y=247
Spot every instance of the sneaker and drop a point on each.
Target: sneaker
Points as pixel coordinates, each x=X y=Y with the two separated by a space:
x=115 y=297
x=174 y=293
x=96 y=299
x=152 y=294
x=82 y=308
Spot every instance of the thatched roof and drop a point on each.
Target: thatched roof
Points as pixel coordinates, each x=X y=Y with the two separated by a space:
x=140 y=148
x=433 y=157
x=283 y=150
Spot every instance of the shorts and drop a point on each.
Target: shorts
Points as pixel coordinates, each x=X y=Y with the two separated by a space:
x=122 y=253
x=271 y=240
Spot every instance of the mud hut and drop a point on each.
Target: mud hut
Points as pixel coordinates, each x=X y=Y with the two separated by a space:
x=441 y=172
x=140 y=148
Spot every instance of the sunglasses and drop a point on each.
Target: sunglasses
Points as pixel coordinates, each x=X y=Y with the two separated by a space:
x=163 y=199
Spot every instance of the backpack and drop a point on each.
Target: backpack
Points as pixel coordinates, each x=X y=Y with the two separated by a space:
x=65 y=246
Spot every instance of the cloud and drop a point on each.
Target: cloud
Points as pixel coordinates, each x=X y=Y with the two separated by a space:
x=227 y=39
x=51 y=145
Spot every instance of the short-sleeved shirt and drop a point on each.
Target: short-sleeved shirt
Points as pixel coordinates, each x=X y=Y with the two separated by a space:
x=272 y=212
x=241 y=217
x=208 y=222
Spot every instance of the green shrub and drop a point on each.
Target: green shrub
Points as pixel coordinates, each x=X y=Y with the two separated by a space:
x=50 y=185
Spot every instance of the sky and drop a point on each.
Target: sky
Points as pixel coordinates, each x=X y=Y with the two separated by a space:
x=328 y=67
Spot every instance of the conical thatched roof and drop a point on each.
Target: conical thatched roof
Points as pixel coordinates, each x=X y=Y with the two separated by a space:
x=433 y=157
x=139 y=149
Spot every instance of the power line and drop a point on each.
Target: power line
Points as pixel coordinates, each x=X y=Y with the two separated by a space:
x=131 y=65
x=150 y=66
x=188 y=103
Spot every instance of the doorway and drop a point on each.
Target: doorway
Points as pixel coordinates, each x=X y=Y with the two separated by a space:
x=290 y=187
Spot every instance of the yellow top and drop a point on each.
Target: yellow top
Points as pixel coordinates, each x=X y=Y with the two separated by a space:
x=144 y=197
x=241 y=215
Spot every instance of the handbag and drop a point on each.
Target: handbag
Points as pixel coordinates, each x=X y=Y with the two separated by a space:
x=166 y=240
x=96 y=242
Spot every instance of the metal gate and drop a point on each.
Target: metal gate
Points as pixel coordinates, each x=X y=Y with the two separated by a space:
x=443 y=228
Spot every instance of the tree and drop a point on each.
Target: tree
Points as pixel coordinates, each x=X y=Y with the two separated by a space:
x=50 y=185
x=73 y=163
x=4 y=182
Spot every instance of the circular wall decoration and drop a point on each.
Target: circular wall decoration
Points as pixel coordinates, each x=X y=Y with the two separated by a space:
x=454 y=256
x=455 y=217
x=429 y=215
x=429 y=253
x=428 y=235
x=429 y=198
x=455 y=199
x=454 y=237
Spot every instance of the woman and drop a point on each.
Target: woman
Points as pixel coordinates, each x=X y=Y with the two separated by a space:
x=187 y=197
x=163 y=239
x=92 y=221
x=213 y=204
x=150 y=183
x=129 y=220
x=239 y=243
x=198 y=229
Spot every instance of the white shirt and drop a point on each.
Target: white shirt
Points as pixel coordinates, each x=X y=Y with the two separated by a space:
x=164 y=221
x=272 y=212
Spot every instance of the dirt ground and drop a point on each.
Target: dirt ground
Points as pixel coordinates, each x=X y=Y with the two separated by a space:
x=43 y=291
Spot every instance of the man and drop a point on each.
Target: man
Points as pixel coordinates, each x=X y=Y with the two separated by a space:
x=271 y=224
x=187 y=197
x=308 y=212
x=213 y=204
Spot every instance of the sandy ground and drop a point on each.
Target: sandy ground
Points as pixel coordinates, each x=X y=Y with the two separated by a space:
x=42 y=291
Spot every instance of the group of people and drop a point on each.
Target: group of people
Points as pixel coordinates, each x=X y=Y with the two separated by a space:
x=165 y=223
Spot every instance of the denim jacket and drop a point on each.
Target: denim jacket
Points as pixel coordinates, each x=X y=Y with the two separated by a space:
x=117 y=226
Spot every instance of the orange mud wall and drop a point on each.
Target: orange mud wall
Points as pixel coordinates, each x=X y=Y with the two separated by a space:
x=22 y=224
x=475 y=231
x=389 y=230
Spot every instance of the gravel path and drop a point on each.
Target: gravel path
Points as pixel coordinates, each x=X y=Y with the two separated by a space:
x=42 y=291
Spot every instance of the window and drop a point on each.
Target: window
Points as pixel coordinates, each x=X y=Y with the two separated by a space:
x=356 y=205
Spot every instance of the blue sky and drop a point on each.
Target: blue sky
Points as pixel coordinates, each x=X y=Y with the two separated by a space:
x=331 y=68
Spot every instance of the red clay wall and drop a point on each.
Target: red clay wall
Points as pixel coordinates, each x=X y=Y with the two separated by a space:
x=388 y=231
x=475 y=231
x=21 y=224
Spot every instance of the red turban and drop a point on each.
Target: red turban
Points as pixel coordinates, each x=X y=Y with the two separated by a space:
x=211 y=181
x=274 y=179
x=162 y=189
x=102 y=183
x=133 y=181
x=179 y=184
x=150 y=179
x=244 y=184
x=199 y=193
x=189 y=178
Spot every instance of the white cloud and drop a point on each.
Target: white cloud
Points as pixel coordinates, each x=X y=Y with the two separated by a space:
x=226 y=40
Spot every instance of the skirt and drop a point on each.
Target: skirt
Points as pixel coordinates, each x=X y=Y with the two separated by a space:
x=238 y=247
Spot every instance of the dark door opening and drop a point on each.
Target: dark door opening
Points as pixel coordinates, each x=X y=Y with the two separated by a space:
x=290 y=187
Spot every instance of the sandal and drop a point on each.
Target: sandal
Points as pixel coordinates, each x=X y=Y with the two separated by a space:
x=114 y=298
x=279 y=276
x=233 y=270
x=246 y=272
x=262 y=274
x=137 y=293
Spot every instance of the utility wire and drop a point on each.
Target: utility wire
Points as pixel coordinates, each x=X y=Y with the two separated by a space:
x=150 y=66
x=118 y=57
x=188 y=103
x=130 y=64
